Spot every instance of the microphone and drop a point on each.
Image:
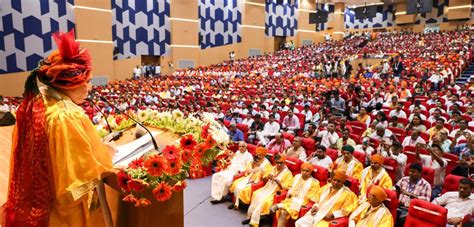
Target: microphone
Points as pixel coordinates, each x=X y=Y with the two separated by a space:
x=114 y=135
x=131 y=118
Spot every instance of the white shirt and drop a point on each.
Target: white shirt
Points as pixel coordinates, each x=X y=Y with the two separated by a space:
x=409 y=142
x=326 y=162
x=327 y=138
x=271 y=128
x=137 y=72
x=247 y=122
x=368 y=151
x=308 y=115
x=240 y=161
x=401 y=159
x=457 y=207
x=399 y=114
x=440 y=172
x=4 y=108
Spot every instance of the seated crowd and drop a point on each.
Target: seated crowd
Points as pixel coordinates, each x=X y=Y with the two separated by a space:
x=321 y=144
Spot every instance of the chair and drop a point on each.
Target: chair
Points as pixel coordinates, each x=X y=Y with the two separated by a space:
x=301 y=118
x=427 y=174
x=244 y=128
x=332 y=153
x=426 y=214
x=451 y=183
x=288 y=136
x=321 y=174
x=452 y=161
x=309 y=145
x=402 y=120
x=356 y=138
x=359 y=156
x=357 y=127
x=294 y=164
x=352 y=184
x=398 y=132
x=251 y=148
x=390 y=166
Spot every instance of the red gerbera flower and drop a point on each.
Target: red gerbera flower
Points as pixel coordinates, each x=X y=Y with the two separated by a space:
x=210 y=142
x=142 y=202
x=187 y=142
x=186 y=155
x=200 y=149
x=130 y=198
x=137 y=185
x=155 y=165
x=174 y=166
x=179 y=186
x=205 y=131
x=123 y=179
x=162 y=192
x=135 y=164
x=170 y=151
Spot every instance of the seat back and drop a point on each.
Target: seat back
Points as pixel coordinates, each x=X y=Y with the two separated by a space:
x=398 y=132
x=424 y=213
x=352 y=184
x=357 y=127
x=451 y=183
x=359 y=156
x=309 y=145
x=332 y=153
x=251 y=148
x=390 y=166
x=288 y=136
x=294 y=164
x=321 y=173
x=427 y=174
x=452 y=161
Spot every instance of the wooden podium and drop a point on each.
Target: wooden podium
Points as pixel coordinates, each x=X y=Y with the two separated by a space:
x=159 y=214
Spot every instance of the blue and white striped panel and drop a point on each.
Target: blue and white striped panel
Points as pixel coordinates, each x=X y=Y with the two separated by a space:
x=281 y=19
x=438 y=14
x=26 y=29
x=220 y=22
x=384 y=18
x=141 y=27
x=326 y=8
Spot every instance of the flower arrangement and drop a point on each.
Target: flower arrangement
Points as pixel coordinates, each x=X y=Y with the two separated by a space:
x=164 y=173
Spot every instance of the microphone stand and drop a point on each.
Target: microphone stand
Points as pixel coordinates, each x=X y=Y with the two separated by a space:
x=114 y=135
x=131 y=118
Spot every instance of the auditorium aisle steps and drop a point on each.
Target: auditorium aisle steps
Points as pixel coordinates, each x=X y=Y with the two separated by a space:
x=464 y=78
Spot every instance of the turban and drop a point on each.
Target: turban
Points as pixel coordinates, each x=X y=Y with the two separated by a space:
x=68 y=67
x=340 y=175
x=261 y=151
x=280 y=157
x=377 y=159
x=308 y=166
x=378 y=192
x=348 y=148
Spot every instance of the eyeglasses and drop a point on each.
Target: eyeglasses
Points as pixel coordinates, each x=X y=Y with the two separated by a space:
x=241 y=146
x=280 y=162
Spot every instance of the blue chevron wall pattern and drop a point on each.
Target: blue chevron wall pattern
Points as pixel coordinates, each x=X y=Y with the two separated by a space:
x=220 y=22
x=141 y=27
x=326 y=8
x=384 y=18
x=438 y=14
x=281 y=19
x=26 y=29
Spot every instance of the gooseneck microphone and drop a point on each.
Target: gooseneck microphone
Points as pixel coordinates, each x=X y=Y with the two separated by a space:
x=131 y=118
x=114 y=135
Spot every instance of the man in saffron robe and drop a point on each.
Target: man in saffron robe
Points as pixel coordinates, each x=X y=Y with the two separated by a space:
x=303 y=190
x=375 y=174
x=347 y=163
x=373 y=212
x=242 y=187
x=279 y=179
x=333 y=200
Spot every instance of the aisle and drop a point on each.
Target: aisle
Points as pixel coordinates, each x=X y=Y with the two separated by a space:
x=199 y=212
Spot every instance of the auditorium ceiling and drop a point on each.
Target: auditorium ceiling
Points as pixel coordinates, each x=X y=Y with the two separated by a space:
x=361 y=2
